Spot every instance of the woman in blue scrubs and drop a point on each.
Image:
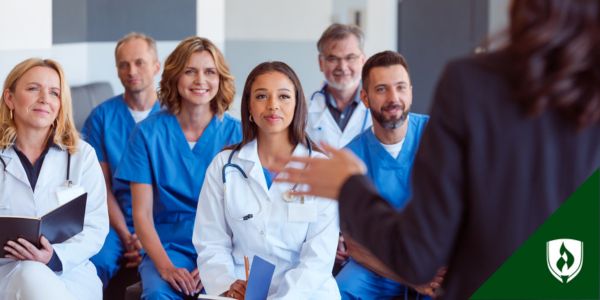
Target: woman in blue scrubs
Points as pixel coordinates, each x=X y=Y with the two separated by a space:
x=166 y=159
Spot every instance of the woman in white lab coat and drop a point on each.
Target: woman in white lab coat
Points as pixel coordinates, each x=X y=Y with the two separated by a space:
x=40 y=152
x=240 y=216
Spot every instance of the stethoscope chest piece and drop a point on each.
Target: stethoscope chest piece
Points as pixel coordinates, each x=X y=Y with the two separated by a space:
x=287 y=196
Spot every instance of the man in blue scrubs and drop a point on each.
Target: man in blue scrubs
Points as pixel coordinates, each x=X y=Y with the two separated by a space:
x=107 y=129
x=388 y=149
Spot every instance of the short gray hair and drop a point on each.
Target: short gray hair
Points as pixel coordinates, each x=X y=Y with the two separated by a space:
x=337 y=31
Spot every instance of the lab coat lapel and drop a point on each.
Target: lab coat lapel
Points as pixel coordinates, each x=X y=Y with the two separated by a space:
x=324 y=120
x=280 y=188
x=54 y=165
x=13 y=165
x=250 y=163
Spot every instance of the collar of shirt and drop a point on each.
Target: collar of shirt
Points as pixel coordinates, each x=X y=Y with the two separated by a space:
x=33 y=169
x=330 y=101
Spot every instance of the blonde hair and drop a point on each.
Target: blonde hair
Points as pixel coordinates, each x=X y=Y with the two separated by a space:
x=65 y=134
x=168 y=94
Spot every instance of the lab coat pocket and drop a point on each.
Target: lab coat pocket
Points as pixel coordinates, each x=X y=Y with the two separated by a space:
x=302 y=212
x=293 y=235
x=66 y=193
x=241 y=203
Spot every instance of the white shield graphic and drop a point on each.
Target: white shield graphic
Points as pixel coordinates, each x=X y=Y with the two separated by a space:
x=564 y=258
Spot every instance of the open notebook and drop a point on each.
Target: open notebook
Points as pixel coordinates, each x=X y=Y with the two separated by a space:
x=57 y=226
x=259 y=281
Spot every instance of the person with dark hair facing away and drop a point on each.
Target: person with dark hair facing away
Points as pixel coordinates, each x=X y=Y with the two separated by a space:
x=241 y=212
x=511 y=135
x=165 y=161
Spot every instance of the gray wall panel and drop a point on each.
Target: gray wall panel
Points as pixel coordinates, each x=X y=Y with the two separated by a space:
x=432 y=32
x=69 y=21
x=109 y=20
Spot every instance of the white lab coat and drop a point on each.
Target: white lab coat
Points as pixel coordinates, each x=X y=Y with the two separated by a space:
x=322 y=127
x=303 y=251
x=17 y=198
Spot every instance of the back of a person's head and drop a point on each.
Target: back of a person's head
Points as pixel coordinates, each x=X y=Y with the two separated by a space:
x=555 y=57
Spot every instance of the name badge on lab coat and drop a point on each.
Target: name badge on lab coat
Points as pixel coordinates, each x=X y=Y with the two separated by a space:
x=65 y=193
x=302 y=212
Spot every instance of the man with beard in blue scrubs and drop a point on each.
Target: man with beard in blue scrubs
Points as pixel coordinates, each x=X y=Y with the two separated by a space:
x=107 y=129
x=388 y=149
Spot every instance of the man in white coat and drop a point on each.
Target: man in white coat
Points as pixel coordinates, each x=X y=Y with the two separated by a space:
x=336 y=114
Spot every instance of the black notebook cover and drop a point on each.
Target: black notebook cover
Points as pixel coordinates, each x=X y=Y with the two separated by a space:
x=57 y=225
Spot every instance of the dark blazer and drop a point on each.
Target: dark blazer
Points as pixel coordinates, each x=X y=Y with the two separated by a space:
x=485 y=177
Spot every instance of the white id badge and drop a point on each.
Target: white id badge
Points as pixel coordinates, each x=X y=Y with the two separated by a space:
x=302 y=212
x=65 y=194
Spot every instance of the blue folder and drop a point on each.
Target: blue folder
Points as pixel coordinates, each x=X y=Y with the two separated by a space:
x=259 y=281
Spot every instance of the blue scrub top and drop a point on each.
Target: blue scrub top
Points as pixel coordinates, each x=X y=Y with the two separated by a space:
x=107 y=129
x=391 y=175
x=158 y=154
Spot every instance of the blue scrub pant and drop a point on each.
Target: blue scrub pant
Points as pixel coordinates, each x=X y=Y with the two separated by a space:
x=153 y=286
x=357 y=282
x=107 y=261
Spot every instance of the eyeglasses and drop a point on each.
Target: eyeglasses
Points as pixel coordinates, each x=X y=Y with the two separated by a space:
x=334 y=60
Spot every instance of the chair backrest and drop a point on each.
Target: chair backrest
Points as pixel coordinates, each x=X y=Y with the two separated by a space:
x=86 y=97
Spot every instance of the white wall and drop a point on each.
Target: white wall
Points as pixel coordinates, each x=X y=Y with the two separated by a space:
x=210 y=21
x=498 y=15
x=498 y=23
x=73 y=58
x=343 y=10
x=25 y=31
x=25 y=24
x=277 y=20
x=381 y=26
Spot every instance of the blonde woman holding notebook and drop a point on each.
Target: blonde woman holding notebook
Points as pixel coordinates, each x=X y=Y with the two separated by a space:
x=242 y=212
x=44 y=164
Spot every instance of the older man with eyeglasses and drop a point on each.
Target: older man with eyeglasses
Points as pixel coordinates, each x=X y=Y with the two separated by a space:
x=336 y=114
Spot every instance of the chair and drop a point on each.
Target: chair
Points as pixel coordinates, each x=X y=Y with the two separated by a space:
x=86 y=97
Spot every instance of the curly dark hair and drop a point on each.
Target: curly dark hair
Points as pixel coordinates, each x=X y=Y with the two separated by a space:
x=555 y=51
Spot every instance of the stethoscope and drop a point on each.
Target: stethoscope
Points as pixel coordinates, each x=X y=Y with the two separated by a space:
x=68 y=182
x=287 y=196
x=323 y=94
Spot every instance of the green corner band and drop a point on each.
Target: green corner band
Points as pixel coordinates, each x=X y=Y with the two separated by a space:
x=561 y=259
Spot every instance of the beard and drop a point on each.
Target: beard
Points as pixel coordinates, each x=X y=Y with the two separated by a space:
x=340 y=86
x=392 y=122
